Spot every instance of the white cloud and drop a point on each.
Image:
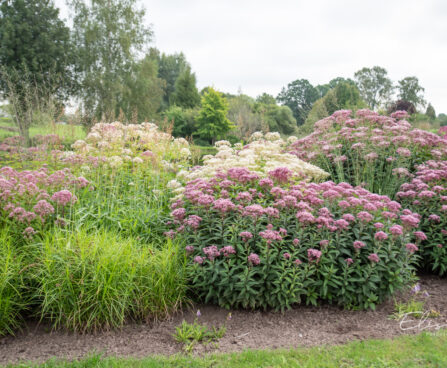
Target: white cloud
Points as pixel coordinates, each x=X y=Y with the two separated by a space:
x=260 y=46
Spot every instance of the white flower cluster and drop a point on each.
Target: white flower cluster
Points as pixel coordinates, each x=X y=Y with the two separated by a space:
x=136 y=143
x=263 y=154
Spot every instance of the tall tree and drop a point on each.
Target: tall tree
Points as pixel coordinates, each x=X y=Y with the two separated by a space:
x=36 y=57
x=430 y=112
x=142 y=94
x=212 y=119
x=169 y=69
x=186 y=94
x=299 y=96
x=410 y=90
x=110 y=35
x=374 y=85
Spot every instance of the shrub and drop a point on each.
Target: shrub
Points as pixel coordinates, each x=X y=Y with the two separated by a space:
x=375 y=151
x=427 y=194
x=401 y=105
x=11 y=285
x=94 y=281
x=272 y=242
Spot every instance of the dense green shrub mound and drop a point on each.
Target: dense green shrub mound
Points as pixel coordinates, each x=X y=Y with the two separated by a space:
x=427 y=195
x=270 y=243
x=375 y=151
x=11 y=285
x=94 y=281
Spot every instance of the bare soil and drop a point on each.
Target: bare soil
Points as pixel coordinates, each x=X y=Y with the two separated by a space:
x=301 y=326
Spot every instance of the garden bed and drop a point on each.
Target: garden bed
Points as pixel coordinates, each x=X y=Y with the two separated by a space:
x=301 y=326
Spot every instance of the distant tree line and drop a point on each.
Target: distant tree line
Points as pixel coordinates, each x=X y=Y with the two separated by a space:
x=105 y=63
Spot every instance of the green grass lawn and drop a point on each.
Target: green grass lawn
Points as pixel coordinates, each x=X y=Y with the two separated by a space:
x=68 y=133
x=424 y=350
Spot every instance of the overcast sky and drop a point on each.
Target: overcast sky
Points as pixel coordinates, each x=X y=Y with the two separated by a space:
x=259 y=46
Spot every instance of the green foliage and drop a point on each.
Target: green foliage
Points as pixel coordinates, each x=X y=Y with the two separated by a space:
x=35 y=42
x=142 y=95
x=430 y=112
x=442 y=118
x=279 y=119
x=190 y=334
x=184 y=120
x=411 y=91
x=299 y=96
x=169 y=69
x=36 y=60
x=243 y=112
x=11 y=284
x=212 y=121
x=374 y=85
x=90 y=281
x=108 y=35
x=262 y=114
x=344 y=96
x=266 y=99
x=413 y=308
x=132 y=203
x=323 y=89
x=186 y=94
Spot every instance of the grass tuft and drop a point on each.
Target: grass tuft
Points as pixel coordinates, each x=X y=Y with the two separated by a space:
x=95 y=281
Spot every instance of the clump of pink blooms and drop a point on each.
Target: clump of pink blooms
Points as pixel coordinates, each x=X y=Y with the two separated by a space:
x=295 y=224
x=36 y=196
x=426 y=193
x=48 y=149
x=350 y=147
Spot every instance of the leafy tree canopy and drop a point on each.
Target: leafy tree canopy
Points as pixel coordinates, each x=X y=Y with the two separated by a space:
x=35 y=43
x=185 y=94
x=344 y=96
x=36 y=58
x=430 y=112
x=299 y=96
x=110 y=36
x=212 y=119
x=410 y=90
x=374 y=85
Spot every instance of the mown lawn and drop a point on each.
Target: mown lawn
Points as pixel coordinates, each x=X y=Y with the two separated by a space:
x=68 y=133
x=424 y=350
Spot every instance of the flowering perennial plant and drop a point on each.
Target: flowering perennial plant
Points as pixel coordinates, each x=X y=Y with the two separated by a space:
x=138 y=144
x=427 y=194
x=263 y=154
x=32 y=199
x=376 y=151
x=289 y=241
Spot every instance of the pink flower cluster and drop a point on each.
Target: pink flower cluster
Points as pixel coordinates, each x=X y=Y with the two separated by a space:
x=366 y=139
x=29 y=195
x=282 y=216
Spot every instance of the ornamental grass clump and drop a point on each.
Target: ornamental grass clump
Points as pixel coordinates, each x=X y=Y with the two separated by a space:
x=272 y=242
x=138 y=144
x=375 y=151
x=11 y=285
x=94 y=281
x=427 y=194
x=262 y=154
